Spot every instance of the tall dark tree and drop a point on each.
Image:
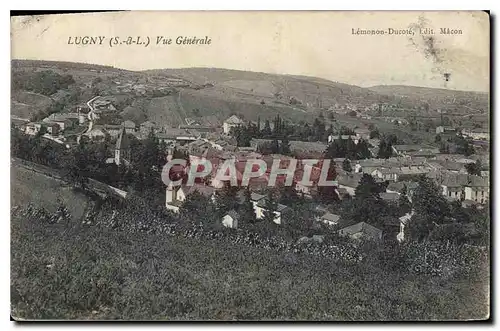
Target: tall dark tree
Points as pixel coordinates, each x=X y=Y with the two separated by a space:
x=284 y=147
x=288 y=195
x=374 y=133
x=362 y=150
x=474 y=168
x=384 y=149
x=346 y=165
x=368 y=188
x=226 y=199
x=430 y=207
x=403 y=201
x=246 y=208
x=328 y=194
x=266 y=131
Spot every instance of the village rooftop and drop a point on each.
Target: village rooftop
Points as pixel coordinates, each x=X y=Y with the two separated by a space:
x=254 y=168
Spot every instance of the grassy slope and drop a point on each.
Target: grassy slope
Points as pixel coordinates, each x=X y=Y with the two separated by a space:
x=60 y=272
x=93 y=273
x=30 y=187
x=24 y=103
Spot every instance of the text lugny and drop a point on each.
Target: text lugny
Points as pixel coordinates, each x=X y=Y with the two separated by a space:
x=138 y=40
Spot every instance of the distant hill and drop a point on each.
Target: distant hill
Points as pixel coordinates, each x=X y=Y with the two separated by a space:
x=218 y=93
x=424 y=91
x=437 y=97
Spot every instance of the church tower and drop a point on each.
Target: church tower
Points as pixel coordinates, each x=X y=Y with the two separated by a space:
x=122 y=148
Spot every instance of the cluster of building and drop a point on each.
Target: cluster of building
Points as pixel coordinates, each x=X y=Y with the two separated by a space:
x=400 y=173
x=473 y=133
x=215 y=143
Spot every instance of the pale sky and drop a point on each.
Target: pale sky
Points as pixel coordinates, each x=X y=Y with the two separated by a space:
x=319 y=44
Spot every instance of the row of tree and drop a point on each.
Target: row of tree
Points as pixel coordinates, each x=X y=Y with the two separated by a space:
x=45 y=82
x=280 y=129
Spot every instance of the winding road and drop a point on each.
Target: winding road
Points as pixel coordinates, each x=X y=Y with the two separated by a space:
x=90 y=116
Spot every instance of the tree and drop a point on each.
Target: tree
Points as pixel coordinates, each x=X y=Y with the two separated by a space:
x=444 y=148
x=367 y=206
x=363 y=150
x=403 y=202
x=385 y=147
x=226 y=199
x=242 y=135
x=368 y=187
x=328 y=194
x=382 y=150
x=474 y=168
x=319 y=129
x=288 y=195
x=346 y=165
x=429 y=203
x=463 y=146
x=199 y=208
x=246 y=210
x=374 y=133
x=284 y=147
x=266 y=131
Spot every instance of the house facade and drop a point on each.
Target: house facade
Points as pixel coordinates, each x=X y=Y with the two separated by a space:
x=33 y=128
x=230 y=123
x=477 y=133
x=230 y=220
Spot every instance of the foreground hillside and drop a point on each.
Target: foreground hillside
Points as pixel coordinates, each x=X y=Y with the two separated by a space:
x=94 y=273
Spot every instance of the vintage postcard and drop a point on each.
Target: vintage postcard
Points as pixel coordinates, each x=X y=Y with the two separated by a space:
x=250 y=166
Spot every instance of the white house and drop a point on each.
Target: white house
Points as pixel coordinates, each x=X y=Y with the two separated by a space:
x=452 y=190
x=445 y=129
x=477 y=133
x=230 y=123
x=403 y=222
x=477 y=189
x=333 y=137
x=260 y=208
x=255 y=198
x=390 y=174
x=230 y=220
x=33 y=128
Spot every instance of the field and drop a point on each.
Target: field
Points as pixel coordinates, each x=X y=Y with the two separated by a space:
x=40 y=190
x=24 y=104
x=85 y=273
